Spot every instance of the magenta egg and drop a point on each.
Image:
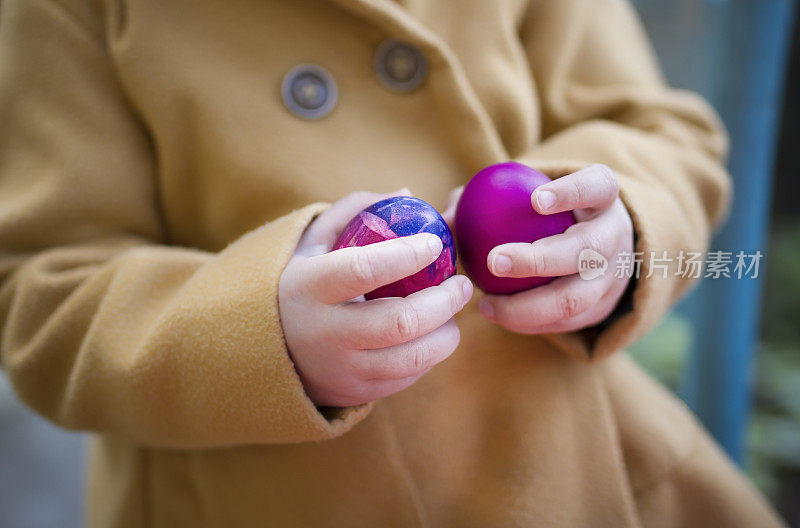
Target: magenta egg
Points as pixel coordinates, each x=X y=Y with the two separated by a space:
x=402 y=216
x=495 y=208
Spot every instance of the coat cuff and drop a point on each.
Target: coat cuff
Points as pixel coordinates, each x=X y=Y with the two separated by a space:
x=225 y=333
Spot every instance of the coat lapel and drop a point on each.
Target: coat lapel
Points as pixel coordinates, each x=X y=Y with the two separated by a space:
x=447 y=78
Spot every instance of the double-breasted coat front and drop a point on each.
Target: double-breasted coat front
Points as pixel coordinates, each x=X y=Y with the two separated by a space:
x=158 y=164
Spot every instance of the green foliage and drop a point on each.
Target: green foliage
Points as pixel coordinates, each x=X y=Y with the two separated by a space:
x=781 y=318
x=774 y=435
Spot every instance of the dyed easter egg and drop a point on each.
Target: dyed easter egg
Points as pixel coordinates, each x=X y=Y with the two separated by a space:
x=397 y=217
x=495 y=208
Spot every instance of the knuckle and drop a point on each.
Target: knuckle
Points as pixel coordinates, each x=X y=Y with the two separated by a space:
x=456 y=302
x=537 y=262
x=591 y=241
x=576 y=192
x=455 y=298
x=411 y=255
x=581 y=192
x=407 y=321
x=570 y=305
x=421 y=359
x=362 y=268
x=608 y=179
x=582 y=188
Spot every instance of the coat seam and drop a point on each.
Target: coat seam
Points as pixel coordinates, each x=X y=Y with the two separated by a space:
x=147 y=488
x=629 y=492
x=669 y=473
x=396 y=453
x=73 y=20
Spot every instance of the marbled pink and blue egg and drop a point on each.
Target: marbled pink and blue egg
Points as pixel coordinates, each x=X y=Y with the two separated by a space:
x=397 y=217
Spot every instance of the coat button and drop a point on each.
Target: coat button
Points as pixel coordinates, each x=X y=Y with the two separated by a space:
x=400 y=66
x=309 y=91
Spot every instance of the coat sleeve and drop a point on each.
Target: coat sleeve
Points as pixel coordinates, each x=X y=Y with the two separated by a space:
x=603 y=101
x=104 y=326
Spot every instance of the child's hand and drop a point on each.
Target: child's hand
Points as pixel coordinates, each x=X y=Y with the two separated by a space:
x=349 y=351
x=568 y=303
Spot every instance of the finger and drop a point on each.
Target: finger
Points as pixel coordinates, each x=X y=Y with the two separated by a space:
x=381 y=323
x=591 y=317
x=414 y=357
x=449 y=214
x=374 y=390
x=592 y=187
x=323 y=232
x=564 y=298
x=348 y=272
x=556 y=255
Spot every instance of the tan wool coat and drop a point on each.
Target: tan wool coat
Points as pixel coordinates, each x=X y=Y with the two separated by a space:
x=153 y=186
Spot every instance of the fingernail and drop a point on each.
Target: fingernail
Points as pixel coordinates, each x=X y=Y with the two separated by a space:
x=466 y=287
x=486 y=308
x=435 y=245
x=501 y=264
x=546 y=199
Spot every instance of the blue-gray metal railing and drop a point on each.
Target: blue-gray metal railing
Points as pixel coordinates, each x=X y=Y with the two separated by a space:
x=734 y=52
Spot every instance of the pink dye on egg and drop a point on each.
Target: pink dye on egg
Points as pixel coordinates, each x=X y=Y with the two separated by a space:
x=396 y=217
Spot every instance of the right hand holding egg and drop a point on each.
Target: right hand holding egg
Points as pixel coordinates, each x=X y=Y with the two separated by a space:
x=569 y=302
x=349 y=351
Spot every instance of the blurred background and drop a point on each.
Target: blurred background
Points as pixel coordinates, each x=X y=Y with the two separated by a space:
x=731 y=349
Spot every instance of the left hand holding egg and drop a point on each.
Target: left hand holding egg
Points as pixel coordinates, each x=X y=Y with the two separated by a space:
x=569 y=302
